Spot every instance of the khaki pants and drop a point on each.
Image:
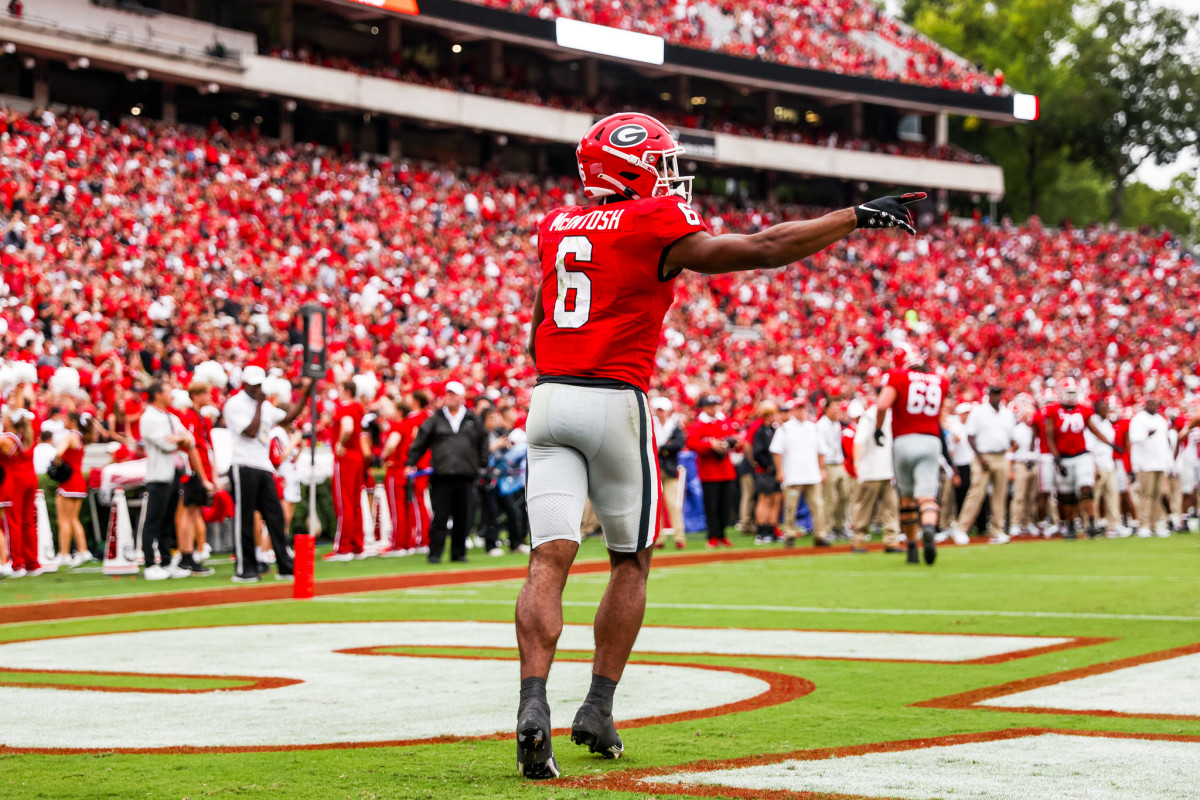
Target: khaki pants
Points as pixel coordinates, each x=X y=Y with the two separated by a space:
x=987 y=469
x=671 y=488
x=746 y=509
x=869 y=496
x=1149 y=502
x=816 y=506
x=1174 y=494
x=1108 y=500
x=836 y=491
x=1025 y=490
x=948 y=511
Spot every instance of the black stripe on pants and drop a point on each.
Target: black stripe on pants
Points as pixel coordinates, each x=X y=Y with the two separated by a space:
x=162 y=498
x=718 y=506
x=450 y=496
x=254 y=490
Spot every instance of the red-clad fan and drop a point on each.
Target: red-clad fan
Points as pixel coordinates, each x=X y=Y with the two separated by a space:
x=915 y=395
x=712 y=437
x=1064 y=424
x=419 y=513
x=350 y=457
x=397 y=436
x=18 y=491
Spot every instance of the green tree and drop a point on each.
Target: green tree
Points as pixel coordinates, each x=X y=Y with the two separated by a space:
x=1176 y=208
x=1021 y=38
x=1136 y=67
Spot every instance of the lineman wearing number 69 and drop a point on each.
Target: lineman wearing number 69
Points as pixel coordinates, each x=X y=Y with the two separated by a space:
x=607 y=280
x=915 y=395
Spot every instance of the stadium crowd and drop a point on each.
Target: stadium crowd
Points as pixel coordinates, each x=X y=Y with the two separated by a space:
x=132 y=253
x=844 y=36
x=711 y=119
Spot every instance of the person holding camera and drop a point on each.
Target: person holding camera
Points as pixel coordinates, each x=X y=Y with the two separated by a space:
x=711 y=437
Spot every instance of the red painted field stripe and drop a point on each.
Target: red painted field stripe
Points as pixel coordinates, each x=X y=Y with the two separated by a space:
x=200 y=598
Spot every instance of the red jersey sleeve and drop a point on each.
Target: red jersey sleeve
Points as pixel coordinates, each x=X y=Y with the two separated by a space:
x=671 y=219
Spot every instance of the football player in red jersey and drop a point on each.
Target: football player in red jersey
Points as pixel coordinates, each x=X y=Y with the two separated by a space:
x=1064 y=425
x=607 y=280
x=915 y=395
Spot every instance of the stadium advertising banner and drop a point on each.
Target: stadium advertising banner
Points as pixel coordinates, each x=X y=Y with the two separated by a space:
x=696 y=144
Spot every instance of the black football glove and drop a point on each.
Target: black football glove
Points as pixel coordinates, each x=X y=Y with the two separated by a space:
x=889 y=212
x=1061 y=467
x=879 y=438
x=1118 y=449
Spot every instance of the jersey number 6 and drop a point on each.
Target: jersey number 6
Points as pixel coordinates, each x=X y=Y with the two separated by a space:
x=573 y=301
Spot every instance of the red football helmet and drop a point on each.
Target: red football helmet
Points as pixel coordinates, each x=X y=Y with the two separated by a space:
x=631 y=155
x=907 y=356
x=1068 y=392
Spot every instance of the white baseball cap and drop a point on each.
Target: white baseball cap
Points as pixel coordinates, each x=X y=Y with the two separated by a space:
x=963 y=408
x=661 y=404
x=253 y=376
x=456 y=388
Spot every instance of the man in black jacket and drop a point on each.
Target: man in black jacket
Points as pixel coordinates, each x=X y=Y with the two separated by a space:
x=670 y=437
x=459 y=447
x=766 y=483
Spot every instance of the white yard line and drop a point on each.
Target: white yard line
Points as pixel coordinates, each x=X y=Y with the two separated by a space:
x=892 y=612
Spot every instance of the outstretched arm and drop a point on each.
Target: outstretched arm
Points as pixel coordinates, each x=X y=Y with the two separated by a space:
x=787 y=242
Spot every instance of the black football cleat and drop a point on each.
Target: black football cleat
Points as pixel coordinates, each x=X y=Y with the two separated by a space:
x=914 y=556
x=596 y=730
x=930 y=549
x=535 y=750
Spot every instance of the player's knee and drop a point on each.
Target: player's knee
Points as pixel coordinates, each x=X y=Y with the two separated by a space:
x=1067 y=498
x=1086 y=493
x=910 y=513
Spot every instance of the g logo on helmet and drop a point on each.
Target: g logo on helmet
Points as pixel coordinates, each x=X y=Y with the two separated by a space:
x=628 y=135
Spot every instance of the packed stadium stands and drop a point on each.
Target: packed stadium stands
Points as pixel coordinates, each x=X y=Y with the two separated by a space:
x=176 y=245
x=852 y=37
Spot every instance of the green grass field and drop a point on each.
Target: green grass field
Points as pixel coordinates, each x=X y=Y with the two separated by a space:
x=1142 y=594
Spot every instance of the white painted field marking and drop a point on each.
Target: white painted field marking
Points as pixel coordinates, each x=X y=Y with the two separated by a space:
x=1171 y=686
x=1044 y=766
x=890 y=612
x=343 y=698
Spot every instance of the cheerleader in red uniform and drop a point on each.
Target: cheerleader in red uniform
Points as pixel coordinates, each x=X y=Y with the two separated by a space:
x=18 y=491
x=73 y=491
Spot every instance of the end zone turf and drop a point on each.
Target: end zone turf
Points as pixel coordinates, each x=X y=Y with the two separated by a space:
x=809 y=625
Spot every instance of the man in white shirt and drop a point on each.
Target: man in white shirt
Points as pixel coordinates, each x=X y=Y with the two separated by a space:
x=961 y=456
x=249 y=416
x=800 y=452
x=1108 y=508
x=1151 y=457
x=989 y=430
x=873 y=463
x=836 y=490
x=1024 y=458
x=164 y=438
x=44 y=452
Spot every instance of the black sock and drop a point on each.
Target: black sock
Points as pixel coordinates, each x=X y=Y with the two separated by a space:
x=533 y=690
x=601 y=693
